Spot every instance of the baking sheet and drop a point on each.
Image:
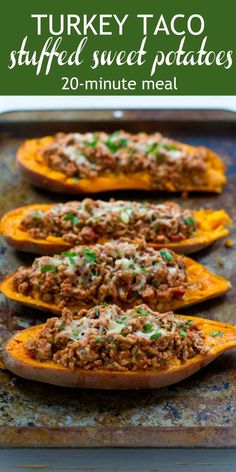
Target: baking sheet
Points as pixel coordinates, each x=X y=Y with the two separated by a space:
x=200 y=411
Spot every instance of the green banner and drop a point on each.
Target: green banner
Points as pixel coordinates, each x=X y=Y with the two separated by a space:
x=85 y=47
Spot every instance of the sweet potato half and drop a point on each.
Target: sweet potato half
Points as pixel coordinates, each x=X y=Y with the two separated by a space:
x=202 y=285
x=220 y=337
x=39 y=174
x=212 y=225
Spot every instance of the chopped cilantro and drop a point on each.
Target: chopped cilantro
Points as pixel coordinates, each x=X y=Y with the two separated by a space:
x=75 y=180
x=148 y=328
x=214 y=334
x=61 y=327
x=151 y=148
x=115 y=145
x=92 y=143
x=48 y=268
x=141 y=311
x=183 y=333
x=37 y=216
x=99 y=339
x=90 y=255
x=75 y=333
x=166 y=254
x=70 y=217
x=155 y=335
x=190 y=221
x=69 y=254
x=97 y=313
x=170 y=147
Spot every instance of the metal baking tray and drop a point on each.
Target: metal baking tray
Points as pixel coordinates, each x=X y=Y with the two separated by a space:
x=200 y=411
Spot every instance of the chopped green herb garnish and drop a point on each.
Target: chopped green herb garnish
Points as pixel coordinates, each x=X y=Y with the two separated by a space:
x=92 y=143
x=68 y=216
x=69 y=254
x=71 y=217
x=141 y=311
x=99 y=339
x=115 y=145
x=166 y=254
x=97 y=313
x=48 y=268
x=155 y=226
x=61 y=327
x=159 y=157
x=75 y=180
x=120 y=321
x=75 y=333
x=183 y=333
x=169 y=147
x=151 y=148
x=148 y=328
x=90 y=255
x=155 y=335
x=37 y=216
x=190 y=221
x=214 y=334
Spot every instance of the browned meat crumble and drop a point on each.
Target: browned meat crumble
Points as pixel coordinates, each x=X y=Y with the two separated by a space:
x=121 y=273
x=88 y=221
x=106 y=337
x=89 y=155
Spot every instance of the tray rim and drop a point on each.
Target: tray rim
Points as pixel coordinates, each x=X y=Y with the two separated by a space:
x=121 y=437
x=123 y=114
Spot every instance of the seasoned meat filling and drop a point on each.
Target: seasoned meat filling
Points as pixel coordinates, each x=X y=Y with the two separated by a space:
x=106 y=337
x=88 y=221
x=120 y=273
x=89 y=155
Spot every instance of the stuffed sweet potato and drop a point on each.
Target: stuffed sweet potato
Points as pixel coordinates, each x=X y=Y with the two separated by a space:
x=122 y=273
x=46 y=229
x=95 y=162
x=108 y=348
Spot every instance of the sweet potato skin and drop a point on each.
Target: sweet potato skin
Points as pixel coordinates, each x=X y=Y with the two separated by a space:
x=17 y=361
x=39 y=174
x=203 y=285
x=212 y=226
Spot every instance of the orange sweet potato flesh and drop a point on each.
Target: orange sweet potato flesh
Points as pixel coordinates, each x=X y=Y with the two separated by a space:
x=203 y=285
x=17 y=361
x=39 y=174
x=212 y=226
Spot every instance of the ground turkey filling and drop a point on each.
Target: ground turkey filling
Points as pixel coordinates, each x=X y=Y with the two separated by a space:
x=105 y=337
x=89 y=155
x=88 y=221
x=117 y=273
